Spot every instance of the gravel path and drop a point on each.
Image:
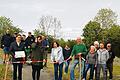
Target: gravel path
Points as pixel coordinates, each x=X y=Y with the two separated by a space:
x=27 y=74
x=1 y=62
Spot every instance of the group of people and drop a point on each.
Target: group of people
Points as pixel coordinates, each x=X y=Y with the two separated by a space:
x=17 y=46
x=98 y=56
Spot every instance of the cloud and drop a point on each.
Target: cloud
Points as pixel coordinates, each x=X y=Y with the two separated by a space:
x=73 y=14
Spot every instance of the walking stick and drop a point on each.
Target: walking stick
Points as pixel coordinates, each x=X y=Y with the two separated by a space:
x=80 y=67
x=6 y=69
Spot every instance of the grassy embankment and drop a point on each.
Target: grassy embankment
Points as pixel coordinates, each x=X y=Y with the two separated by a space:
x=116 y=71
x=2 y=69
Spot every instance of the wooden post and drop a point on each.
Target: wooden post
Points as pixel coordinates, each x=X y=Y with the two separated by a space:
x=80 y=67
x=6 y=69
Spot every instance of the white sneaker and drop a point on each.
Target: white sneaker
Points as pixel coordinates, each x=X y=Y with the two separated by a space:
x=83 y=79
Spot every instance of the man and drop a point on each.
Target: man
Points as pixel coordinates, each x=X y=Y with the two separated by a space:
x=78 y=50
x=14 y=36
x=45 y=44
x=29 y=40
x=16 y=48
x=110 y=61
x=103 y=56
x=5 y=44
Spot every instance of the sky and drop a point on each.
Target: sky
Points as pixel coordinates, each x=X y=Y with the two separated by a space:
x=73 y=14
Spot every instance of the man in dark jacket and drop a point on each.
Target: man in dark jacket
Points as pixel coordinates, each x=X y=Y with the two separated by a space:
x=110 y=61
x=29 y=40
x=14 y=36
x=45 y=44
x=5 y=44
x=16 y=47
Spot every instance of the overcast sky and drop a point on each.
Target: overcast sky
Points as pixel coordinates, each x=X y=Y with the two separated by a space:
x=73 y=14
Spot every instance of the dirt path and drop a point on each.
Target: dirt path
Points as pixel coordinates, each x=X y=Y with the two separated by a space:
x=1 y=62
x=27 y=74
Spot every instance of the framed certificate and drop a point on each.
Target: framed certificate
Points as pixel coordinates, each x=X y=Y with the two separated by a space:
x=19 y=54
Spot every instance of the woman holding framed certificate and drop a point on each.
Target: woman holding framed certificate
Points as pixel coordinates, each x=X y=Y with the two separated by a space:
x=18 y=54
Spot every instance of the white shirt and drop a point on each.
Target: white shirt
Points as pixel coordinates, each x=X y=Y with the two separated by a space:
x=57 y=54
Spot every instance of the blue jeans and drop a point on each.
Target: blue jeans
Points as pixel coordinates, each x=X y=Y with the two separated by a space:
x=91 y=66
x=104 y=70
x=67 y=66
x=56 y=68
x=75 y=62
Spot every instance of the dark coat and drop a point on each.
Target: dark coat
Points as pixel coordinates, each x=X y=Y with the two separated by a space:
x=6 y=40
x=37 y=54
x=29 y=40
x=14 y=47
x=111 y=57
x=66 y=53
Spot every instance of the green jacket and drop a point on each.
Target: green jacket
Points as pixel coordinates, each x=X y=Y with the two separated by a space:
x=79 y=48
x=37 y=54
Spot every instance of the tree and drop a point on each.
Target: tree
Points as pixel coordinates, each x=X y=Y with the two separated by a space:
x=37 y=33
x=45 y=24
x=91 y=32
x=49 y=25
x=114 y=38
x=106 y=18
x=6 y=24
x=71 y=43
x=62 y=42
x=103 y=28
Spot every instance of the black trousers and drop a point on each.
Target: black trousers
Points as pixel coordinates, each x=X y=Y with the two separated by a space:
x=110 y=69
x=17 y=67
x=35 y=69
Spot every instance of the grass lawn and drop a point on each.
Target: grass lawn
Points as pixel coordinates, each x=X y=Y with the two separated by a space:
x=2 y=70
x=116 y=71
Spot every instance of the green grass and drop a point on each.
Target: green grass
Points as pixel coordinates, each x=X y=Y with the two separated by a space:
x=50 y=70
x=2 y=73
x=2 y=69
x=116 y=72
x=1 y=53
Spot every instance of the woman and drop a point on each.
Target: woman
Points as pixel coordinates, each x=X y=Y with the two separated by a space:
x=37 y=55
x=57 y=59
x=91 y=62
x=66 y=54
x=16 y=48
